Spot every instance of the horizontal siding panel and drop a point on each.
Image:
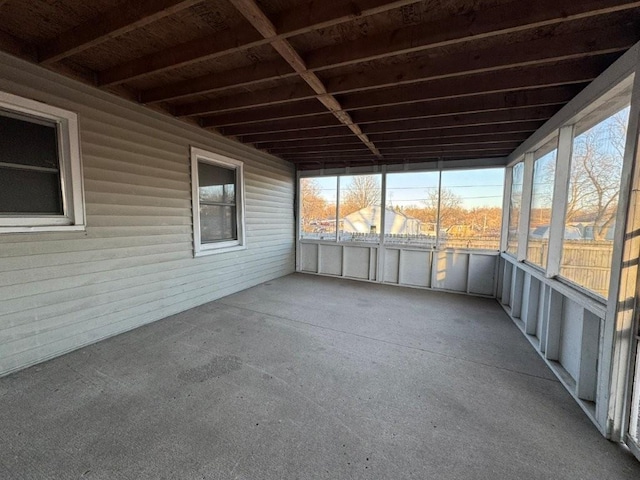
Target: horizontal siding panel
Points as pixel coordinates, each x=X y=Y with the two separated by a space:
x=104 y=198
x=125 y=165
x=80 y=279
x=81 y=311
x=124 y=178
x=110 y=327
x=105 y=186
x=88 y=244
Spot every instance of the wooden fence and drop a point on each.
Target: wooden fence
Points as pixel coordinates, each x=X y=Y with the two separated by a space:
x=585 y=262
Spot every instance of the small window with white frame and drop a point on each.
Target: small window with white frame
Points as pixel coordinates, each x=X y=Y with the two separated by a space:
x=40 y=169
x=218 y=202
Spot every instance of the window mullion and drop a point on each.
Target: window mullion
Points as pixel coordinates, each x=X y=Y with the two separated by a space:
x=559 y=204
x=525 y=206
x=506 y=204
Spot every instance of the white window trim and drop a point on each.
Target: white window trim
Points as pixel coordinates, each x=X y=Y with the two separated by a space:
x=71 y=179
x=200 y=249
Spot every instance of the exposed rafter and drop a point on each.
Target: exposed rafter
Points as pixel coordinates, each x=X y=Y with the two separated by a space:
x=334 y=82
x=117 y=21
x=546 y=49
x=302 y=19
x=253 y=13
x=534 y=76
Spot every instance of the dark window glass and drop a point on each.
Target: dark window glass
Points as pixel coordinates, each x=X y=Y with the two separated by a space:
x=217 y=195
x=29 y=166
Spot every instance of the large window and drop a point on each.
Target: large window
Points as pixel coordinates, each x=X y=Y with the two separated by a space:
x=592 y=196
x=40 y=173
x=515 y=204
x=218 y=200
x=464 y=211
x=471 y=208
x=544 y=172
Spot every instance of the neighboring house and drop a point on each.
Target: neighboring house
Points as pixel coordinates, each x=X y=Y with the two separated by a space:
x=367 y=220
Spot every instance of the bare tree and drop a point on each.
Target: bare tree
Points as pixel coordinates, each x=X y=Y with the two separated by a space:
x=313 y=205
x=450 y=203
x=596 y=170
x=363 y=191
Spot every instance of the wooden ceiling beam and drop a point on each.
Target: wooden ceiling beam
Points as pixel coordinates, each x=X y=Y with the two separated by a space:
x=339 y=131
x=543 y=50
x=302 y=108
x=456 y=124
x=320 y=122
x=252 y=74
x=492 y=139
x=463 y=120
x=310 y=143
x=443 y=134
x=259 y=98
x=540 y=51
x=501 y=152
x=472 y=104
x=523 y=78
x=427 y=108
x=110 y=24
x=253 y=13
x=486 y=22
x=438 y=135
x=301 y=19
x=533 y=76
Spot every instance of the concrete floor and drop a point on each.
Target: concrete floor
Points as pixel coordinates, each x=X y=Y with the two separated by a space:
x=306 y=377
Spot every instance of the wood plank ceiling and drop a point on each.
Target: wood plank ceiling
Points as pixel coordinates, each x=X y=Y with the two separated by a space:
x=326 y=83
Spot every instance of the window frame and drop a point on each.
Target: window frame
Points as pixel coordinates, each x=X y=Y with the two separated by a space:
x=206 y=156
x=73 y=217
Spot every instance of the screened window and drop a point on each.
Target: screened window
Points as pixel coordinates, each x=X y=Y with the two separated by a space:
x=544 y=171
x=412 y=208
x=217 y=185
x=471 y=208
x=515 y=203
x=360 y=200
x=592 y=196
x=318 y=205
x=40 y=175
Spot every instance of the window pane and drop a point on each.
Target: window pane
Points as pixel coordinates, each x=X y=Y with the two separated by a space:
x=517 y=177
x=218 y=223
x=592 y=200
x=30 y=192
x=28 y=142
x=544 y=171
x=360 y=199
x=471 y=208
x=216 y=184
x=412 y=205
x=319 y=197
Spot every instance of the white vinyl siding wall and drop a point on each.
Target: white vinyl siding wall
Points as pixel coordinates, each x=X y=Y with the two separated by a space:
x=134 y=264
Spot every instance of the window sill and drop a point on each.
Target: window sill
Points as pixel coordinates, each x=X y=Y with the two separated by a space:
x=215 y=251
x=42 y=229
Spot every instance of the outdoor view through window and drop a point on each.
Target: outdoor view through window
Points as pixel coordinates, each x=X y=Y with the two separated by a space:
x=452 y=209
x=592 y=200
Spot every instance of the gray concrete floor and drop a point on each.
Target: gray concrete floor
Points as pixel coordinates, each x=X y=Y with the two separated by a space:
x=306 y=377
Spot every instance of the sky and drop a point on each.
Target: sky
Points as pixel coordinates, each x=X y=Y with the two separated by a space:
x=476 y=188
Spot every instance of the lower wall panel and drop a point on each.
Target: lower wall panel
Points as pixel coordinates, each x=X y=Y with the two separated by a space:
x=564 y=326
x=472 y=272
